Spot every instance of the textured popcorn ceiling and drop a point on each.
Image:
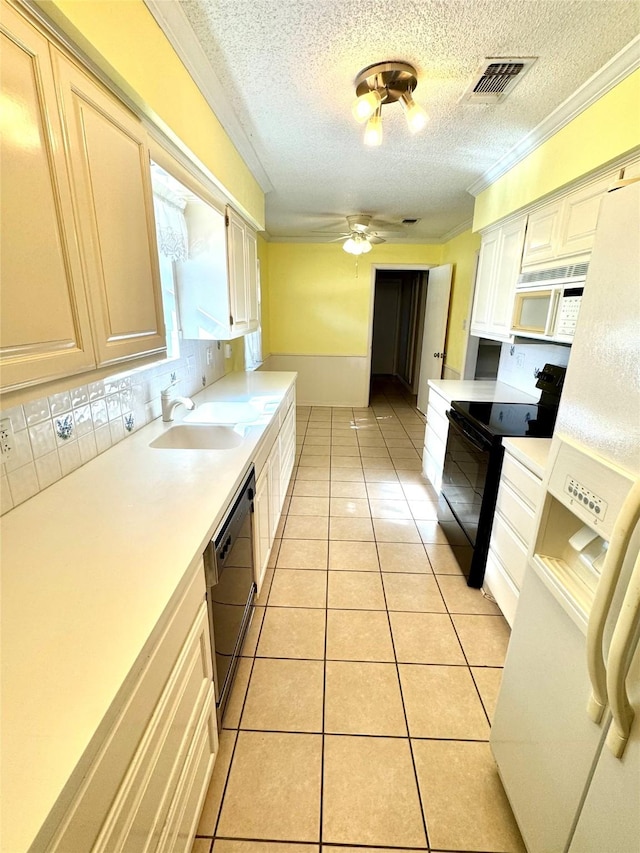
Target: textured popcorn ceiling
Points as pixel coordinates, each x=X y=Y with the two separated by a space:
x=287 y=67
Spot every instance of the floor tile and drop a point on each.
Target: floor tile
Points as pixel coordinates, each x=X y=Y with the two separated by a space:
x=393 y=530
x=213 y=798
x=484 y=638
x=364 y=699
x=349 y=508
x=355 y=590
x=353 y=461
x=311 y=489
x=239 y=686
x=329 y=848
x=431 y=532
x=359 y=635
x=374 y=453
x=423 y=510
x=313 y=473
x=382 y=491
x=224 y=846
x=313 y=461
x=442 y=702
x=346 y=475
x=425 y=638
x=306 y=527
x=461 y=598
x=379 y=475
x=298 y=588
x=388 y=508
x=201 y=845
x=488 y=681
x=346 y=555
x=311 y=440
x=293 y=633
x=370 y=794
x=274 y=788
x=309 y=506
x=284 y=695
x=350 y=450
x=340 y=489
x=403 y=557
x=358 y=529
x=464 y=802
x=418 y=593
x=303 y=554
x=445 y=559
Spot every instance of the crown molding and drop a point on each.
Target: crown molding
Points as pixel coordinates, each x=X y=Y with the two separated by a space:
x=455 y=232
x=174 y=24
x=625 y=62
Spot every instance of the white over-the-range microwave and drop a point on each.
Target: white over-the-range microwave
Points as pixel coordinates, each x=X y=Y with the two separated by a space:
x=547 y=303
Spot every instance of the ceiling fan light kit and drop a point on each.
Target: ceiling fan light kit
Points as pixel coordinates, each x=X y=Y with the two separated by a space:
x=357 y=244
x=381 y=84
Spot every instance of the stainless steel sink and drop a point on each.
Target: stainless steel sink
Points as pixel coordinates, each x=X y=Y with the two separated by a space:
x=198 y=437
x=223 y=412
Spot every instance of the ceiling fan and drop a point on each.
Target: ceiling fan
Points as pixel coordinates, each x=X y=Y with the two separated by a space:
x=363 y=233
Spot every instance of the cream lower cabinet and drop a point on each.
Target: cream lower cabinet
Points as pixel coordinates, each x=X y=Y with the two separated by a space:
x=435 y=438
x=145 y=788
x=513 y=528
x=274 y=468
x=498 y=269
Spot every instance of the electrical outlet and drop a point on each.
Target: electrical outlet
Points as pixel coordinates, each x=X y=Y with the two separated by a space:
x=6 y=439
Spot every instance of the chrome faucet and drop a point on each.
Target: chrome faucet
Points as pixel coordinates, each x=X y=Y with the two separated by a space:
x=170 y=403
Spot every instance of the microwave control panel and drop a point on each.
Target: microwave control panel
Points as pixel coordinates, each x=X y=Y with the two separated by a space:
x=568 y=314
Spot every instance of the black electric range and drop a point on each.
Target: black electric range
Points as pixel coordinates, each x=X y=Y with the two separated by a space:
x=473 y=462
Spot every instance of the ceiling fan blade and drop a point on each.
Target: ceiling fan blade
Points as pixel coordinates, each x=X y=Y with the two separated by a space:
x=329 y=233
x=374 y=239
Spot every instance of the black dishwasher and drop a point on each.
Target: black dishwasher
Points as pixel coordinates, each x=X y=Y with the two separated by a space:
x=228 y=563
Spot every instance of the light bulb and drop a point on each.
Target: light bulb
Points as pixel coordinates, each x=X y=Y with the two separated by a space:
x=366 y=246
x=366 y=105
x=351 y=246
x=417 y=118
x=373 y=130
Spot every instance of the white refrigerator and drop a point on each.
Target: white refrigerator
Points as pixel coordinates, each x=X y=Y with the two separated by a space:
x=566 y=732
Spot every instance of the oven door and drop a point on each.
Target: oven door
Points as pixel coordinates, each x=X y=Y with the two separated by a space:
x=464 y=476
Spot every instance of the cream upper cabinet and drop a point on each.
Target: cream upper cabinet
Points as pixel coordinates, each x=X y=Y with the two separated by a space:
x=565 y=228
x=543 y=230
x=111 y=184
x=243 y=274
x=44 y=322
x=498 y=268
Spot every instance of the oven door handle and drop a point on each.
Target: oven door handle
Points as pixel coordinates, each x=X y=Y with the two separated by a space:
x=473 y=437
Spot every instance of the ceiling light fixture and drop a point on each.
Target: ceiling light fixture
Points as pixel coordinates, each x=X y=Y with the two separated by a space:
x=357 y=244
x=381 y=84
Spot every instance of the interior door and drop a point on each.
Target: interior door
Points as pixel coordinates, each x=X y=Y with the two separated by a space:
x=435 y=330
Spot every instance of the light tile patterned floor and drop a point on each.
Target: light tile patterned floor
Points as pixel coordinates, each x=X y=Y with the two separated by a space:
x=360 y=713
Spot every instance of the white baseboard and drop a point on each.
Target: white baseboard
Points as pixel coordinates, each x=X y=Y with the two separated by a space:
x=326 y=380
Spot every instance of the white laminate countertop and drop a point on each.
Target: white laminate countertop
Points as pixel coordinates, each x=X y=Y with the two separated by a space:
x=532 y=452
x=479 y=391
x=88 y=568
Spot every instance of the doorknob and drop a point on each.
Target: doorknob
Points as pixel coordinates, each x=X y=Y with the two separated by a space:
x=439 y=354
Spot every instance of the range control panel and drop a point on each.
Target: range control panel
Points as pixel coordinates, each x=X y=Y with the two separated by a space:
x=589 y=500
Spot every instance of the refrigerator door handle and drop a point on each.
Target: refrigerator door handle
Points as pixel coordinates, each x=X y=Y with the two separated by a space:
x=623 y=528
x=621 y=650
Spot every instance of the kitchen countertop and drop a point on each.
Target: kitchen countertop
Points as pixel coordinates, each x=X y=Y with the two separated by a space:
x=532 y=452
x=480 y=391
x=89 y=566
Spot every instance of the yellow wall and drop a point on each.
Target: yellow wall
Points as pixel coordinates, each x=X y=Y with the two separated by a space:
x=138 y=57
x=318 y=303
x=605 y=130
x=461 y=252
x=263 y=257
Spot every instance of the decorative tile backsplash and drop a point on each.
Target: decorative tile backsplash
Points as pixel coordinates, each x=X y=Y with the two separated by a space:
x=54 y=435
x=520 y=363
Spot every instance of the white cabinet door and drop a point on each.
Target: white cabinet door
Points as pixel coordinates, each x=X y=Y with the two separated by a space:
x=108 y=156
x=275 y=490
x=506 y=276
x=483 y=297
x=543 y=230
x=253 y=312
x=236 y=251
x=262 y=524
x=580 y=217
x=45 y=329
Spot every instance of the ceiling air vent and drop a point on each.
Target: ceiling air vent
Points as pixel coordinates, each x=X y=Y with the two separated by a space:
x=410 y=221
x=495 y=78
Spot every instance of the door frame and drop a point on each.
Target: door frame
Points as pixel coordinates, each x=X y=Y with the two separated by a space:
x=372 y=297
